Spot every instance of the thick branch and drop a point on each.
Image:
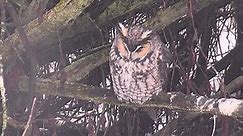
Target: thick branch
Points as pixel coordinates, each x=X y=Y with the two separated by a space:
x=231 y=87
x=175 y=101
x=73 y=90
x=81 y=68
x=54 y=21
x=224 y=62
x=177 y=11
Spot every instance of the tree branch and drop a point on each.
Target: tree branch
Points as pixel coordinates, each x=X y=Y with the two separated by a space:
x=29 y=127
x=177 y=11
x=81 y=68
x=173 y=100
x=54 y=21
x=231 y=87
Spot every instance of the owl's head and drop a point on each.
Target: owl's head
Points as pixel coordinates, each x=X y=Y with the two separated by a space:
x=134 y=43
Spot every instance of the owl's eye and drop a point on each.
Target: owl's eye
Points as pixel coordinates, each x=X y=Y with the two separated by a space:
x=141 y=45
x=142 y=51
x=139 y=48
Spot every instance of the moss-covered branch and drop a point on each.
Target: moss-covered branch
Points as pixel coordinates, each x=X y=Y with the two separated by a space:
x=81 y=68
x=175 y=101
x=177 y=11
x=73 y=90
x=54 y=22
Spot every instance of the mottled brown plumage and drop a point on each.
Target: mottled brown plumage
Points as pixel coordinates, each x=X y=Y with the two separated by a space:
x=138 y=63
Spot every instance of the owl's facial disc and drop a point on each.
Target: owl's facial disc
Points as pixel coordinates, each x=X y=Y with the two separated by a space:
x=122 y=48
x=135 y=45
x=133 y=52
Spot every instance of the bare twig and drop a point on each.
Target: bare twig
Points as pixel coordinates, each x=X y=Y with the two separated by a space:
x=28 y=127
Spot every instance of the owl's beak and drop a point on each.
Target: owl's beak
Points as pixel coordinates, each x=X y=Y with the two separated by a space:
x=132 y=48
x=130 y=56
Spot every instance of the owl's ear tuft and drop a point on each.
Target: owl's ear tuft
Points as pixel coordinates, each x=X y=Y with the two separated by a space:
x=122 y=29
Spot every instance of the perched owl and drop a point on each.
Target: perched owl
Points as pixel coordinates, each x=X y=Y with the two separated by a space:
x=138 y=64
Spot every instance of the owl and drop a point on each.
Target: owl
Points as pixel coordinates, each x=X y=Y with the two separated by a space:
x=138 y=64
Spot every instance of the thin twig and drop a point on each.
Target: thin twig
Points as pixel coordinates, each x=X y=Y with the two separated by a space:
x=28 y=128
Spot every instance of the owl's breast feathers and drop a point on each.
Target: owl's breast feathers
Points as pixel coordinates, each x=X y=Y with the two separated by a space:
x=134 y=81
